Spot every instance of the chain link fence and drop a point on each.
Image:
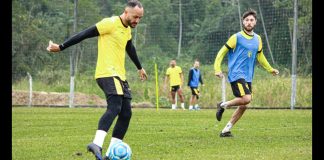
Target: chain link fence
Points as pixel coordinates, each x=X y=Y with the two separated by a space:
x=185 y=30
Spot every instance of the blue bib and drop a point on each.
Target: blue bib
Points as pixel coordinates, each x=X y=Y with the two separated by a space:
x=194 y=81
x=241 y=59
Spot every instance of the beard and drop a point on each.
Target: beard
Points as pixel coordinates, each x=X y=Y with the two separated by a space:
x=132 y=25
x=249 y=29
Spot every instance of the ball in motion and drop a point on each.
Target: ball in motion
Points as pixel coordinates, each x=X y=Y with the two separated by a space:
x=119 y=151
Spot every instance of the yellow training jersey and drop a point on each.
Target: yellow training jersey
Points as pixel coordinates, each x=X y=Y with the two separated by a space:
x=174 y=75
x=112 y=40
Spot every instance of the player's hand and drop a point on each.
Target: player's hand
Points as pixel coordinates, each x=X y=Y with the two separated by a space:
x=203 y=85
x=53 y=47
x=219 y=74
x=275 y=72
x=142 y=74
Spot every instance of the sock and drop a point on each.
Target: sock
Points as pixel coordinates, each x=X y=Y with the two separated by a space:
x=112 y=142
x=223 y=105
x=182 y=106
x=99 y=138
x=190 y=107
x=228 y=127
x=196 y=106
x=174 y=106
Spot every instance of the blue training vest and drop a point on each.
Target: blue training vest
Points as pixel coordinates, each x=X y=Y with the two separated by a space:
x=194 y=81
x=241 y=59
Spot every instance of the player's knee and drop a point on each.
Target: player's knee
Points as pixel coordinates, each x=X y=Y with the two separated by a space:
x=126 y=115
x=246 y=99
x=115 y=110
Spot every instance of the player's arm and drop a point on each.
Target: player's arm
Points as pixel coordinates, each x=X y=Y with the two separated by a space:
x=87 y=33
x=200 y=80
x=131 y=51
x=263 y=61
x=230 y=44
x=182 y=79
x=166 y=80
x=190 y=76
x=265 y=64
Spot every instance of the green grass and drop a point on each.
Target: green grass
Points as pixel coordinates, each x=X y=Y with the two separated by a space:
x=62 y=133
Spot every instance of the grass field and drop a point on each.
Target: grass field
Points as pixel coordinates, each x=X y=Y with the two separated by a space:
x=63 y=133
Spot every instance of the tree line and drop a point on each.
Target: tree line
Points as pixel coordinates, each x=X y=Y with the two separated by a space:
x=206 y=25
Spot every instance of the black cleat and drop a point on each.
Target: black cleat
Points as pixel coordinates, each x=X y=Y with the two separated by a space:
x=219 y=112
x=96 y=150
x=226 y=134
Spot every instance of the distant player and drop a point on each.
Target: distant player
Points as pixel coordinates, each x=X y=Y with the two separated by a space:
x=175 y=76
x=194 y=79
x=243 y=49
x=114 y=38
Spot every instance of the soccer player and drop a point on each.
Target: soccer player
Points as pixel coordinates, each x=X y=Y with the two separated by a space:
x=193 y=82
x=114 y=39
x=243 y=49
x=175 y=76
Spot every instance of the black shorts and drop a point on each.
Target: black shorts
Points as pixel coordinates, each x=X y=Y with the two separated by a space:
x=114 y=86
x=195 y=91
x=175 y=88
x=240 y=88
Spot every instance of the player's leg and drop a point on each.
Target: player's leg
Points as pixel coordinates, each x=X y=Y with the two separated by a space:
x=173 y=93
x=226 y=132
x=238 y=114
x=192 y=98
x=244 y=100
x=196 y=99
x=239 y=111
x=122 y=123
x=192 y=102
x=179 y=91
x=114 y=103
x=242 y=93
x=113 y=109
x=123 y=120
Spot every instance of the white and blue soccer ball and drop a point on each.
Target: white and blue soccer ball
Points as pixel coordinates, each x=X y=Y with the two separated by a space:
x=119 y=151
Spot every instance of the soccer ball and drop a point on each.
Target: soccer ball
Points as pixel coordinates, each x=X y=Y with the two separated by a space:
x=119 y=151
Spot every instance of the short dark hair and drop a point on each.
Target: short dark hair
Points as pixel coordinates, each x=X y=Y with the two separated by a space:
x=249 y=12
x=134 y=3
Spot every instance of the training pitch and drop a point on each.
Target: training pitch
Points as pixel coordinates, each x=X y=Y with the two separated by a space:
x=63 y=134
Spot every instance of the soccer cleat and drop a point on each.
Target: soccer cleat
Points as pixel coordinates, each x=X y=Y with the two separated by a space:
x=96 y=150
x=219 y=112
x=226 y=134
x=197 y=108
